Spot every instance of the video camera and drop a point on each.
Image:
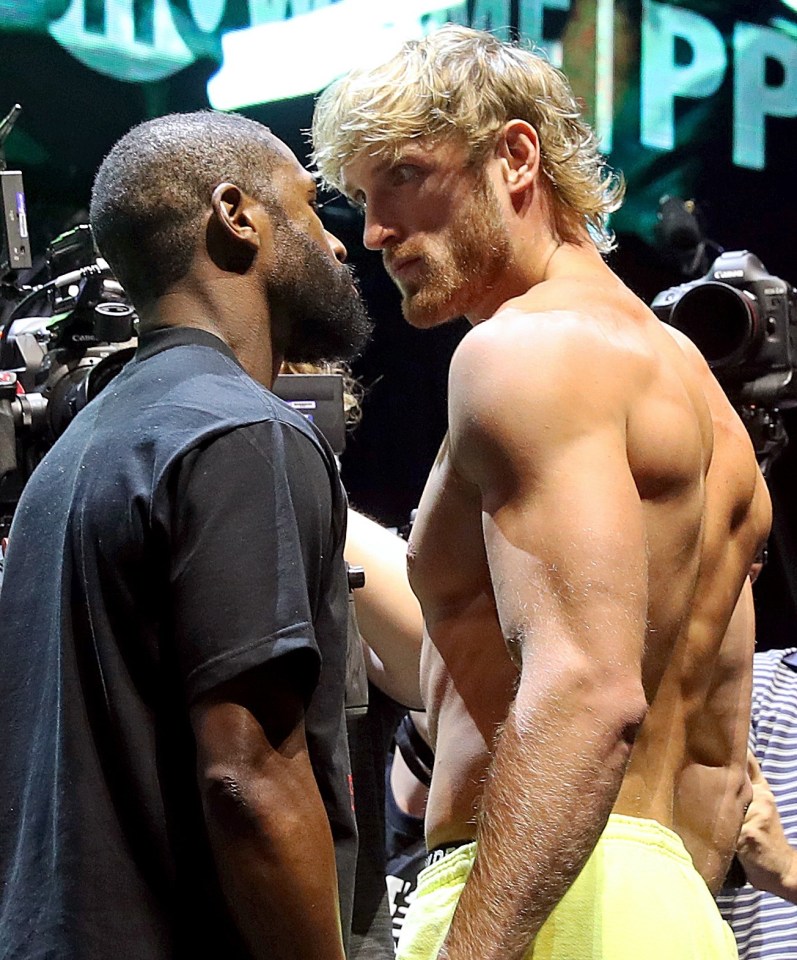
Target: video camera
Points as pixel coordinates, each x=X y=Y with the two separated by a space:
x=744 y=322
x=61 y=341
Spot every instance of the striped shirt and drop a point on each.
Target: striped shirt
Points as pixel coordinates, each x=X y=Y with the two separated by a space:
x=764 y=925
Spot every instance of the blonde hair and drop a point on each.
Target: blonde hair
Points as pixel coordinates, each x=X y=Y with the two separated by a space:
x=465 y=83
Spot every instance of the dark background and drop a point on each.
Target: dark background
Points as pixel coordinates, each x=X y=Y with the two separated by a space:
x=72 y=115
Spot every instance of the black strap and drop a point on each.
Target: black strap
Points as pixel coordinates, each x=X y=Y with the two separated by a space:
x=415 y=751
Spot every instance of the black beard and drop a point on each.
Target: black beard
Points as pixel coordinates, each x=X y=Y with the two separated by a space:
x=326 y=317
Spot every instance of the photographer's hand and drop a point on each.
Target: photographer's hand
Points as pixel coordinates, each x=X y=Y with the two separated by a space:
x=770 y=862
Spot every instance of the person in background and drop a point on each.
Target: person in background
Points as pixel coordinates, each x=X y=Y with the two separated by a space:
x=390 y=623
x=761 y=905
x=175 y=779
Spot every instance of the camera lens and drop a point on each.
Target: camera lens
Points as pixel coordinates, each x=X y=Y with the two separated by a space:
x=113 y=321
x=720 y=320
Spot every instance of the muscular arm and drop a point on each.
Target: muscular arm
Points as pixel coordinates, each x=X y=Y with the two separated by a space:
x=388 y=614
x=265 y=818
x=251 y=523
x=566 y=545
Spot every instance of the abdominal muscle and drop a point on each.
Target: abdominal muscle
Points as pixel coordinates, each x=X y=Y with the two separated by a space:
x=687 y=769
x=468 y=698
x=701 y=801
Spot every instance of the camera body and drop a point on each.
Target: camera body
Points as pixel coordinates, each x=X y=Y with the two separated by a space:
x=62 y=341
x=744 y=322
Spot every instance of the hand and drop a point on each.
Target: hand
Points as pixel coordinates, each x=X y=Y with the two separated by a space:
x=770 y=862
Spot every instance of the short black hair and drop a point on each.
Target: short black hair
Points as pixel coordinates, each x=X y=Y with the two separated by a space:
x=154 y=186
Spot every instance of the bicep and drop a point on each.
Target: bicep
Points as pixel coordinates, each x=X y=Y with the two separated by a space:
x=540 y=429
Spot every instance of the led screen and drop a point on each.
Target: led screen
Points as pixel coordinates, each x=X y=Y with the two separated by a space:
x=688 y=98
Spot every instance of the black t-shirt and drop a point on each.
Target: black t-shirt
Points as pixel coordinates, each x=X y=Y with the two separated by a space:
x=186 y=528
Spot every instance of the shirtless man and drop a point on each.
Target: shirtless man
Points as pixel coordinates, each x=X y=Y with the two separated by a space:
x=584 y=537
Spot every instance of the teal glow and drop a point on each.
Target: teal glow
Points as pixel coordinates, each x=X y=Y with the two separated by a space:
x=279 y=59
x=116 y=51
x=785 y=26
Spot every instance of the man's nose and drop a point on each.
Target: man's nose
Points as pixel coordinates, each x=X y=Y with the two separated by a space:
x=337 y=247
x=378 y=234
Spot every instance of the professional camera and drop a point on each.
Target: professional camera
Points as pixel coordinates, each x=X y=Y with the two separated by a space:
x=742 y=319
x=62 y=341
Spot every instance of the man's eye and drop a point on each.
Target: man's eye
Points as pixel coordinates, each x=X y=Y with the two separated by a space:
x=403 y=173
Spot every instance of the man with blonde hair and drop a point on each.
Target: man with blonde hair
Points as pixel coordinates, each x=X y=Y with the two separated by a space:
x=584 y=537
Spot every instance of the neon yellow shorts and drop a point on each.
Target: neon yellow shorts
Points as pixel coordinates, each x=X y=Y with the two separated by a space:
x=638 y=897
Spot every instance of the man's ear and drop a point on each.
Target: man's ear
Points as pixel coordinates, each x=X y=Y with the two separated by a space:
x=236 y=227
x=518 y=149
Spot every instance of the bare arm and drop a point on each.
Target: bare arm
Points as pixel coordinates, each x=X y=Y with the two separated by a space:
x=768 y=858
x=388 y=614
x=566 y=546
x=266 y=820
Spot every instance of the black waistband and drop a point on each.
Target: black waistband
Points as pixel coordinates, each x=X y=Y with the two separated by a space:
x=437 y=853
x=415 y=750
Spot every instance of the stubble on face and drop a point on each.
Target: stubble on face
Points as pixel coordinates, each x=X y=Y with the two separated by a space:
x=461 y=264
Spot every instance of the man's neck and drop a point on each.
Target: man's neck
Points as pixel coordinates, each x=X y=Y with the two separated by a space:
x=554 y=260
x=230 y=318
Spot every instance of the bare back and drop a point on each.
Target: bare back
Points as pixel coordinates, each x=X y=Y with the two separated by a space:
x=704 y=513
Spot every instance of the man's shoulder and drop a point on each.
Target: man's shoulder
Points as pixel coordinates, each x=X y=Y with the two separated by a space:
x=538 y=345
x=537 y=349
x=197 y=382
x=166 y=405
x=568 y=321
x=543 y=374
x=526 y=384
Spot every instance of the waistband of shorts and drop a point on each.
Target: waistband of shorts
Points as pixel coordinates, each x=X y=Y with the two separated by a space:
x=651 y=833
x=443 y=850
x=456 y=858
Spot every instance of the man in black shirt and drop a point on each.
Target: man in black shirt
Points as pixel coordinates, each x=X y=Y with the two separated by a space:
x=174 y=780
